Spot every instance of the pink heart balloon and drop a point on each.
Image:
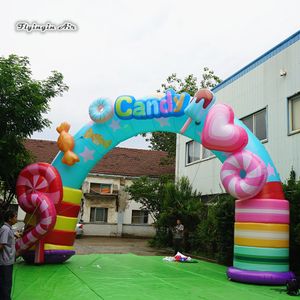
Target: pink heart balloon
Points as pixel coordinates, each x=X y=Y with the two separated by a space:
x=219 y=131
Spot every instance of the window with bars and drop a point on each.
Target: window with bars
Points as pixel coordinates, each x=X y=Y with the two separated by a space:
x=139 y=217
x=294 y=113
x=257 y=123
x=98 y=215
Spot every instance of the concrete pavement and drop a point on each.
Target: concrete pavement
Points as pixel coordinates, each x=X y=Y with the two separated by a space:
x=96 y=244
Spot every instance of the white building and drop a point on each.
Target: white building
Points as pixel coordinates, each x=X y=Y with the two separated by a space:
x=265 y=94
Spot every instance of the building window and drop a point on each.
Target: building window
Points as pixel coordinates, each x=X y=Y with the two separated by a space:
x=195 y=152
x=192 y=152
x=139 y=217
x=206 y=153
x=100 y=188
x=294 y=113
x=105 y=188
x=98 y=215
x=257 y=123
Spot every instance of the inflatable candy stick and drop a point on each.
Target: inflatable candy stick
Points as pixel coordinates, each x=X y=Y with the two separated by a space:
x=198 y=107
x=39 y=189
x=66 y=144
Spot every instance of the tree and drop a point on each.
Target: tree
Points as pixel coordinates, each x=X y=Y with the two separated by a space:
x=292 y=194
x=166 y=141
x=167 y=201
x=213 y=237
x=180 y=201
x=149 y=192
x=23 y=101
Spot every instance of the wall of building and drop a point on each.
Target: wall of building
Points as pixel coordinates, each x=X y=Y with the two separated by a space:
x=119 y=211
x=139 y=230
x=132 y=230
x=132 y=205
x=100 y=229
x=261 y=87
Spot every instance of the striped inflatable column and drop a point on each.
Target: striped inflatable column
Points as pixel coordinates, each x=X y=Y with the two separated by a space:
x=58 y=244
x=261 y=241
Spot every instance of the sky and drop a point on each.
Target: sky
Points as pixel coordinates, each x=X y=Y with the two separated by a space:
x=118 y=47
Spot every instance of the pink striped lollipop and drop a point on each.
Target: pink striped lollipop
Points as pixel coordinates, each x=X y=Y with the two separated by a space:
x=39 y=189
x=243 y=174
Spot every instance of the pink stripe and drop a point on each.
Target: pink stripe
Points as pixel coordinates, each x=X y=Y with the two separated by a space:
x=46 y=221
x=55 y=196
x=42 y=185
x=40 y=230
x=262 y=203
x=43 y=206
x=186 y=125
x=50 y=175
x=22 y=180
x=262 y=218
x=31 y=237
x=34 y=169
x=39 y=252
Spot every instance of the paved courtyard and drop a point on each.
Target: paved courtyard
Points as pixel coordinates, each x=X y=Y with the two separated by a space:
x=91 y=244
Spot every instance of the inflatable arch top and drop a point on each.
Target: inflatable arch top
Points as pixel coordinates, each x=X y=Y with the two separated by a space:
x=51 y=194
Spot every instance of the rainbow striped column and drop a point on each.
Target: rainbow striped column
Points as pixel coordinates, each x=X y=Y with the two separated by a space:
x=261 y=242
x=58 y=243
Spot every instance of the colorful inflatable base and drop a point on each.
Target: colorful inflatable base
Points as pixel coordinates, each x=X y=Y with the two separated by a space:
x=51 y=256
x=258 y=277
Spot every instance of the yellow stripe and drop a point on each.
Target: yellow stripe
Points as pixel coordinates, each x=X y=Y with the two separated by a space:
x=72 y=195
x=58 y=247
x=261 y=243
x=262 y=226
x=69 y=195
x=62 y=223
x=55 y=247
x=65 y=223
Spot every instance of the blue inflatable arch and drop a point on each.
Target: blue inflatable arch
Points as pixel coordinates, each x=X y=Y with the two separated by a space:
x=131 y=117
x=261 y=233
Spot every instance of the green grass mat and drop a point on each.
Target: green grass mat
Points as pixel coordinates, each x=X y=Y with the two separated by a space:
x=128 y=276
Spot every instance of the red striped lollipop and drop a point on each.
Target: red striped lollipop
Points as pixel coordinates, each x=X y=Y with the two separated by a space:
x=39 y=190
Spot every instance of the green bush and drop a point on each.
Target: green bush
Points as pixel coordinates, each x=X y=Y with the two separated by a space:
x=179 y=201
x=214 y=235
x=292 y=194
x=225 y=229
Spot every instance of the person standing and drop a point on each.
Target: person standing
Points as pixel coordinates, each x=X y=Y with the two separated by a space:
x=178 y=233
x=7 y=254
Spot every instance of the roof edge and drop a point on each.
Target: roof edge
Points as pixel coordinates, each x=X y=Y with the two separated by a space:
x=258 y=61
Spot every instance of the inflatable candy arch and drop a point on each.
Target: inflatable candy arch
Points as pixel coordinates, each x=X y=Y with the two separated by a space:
x=248 y=173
